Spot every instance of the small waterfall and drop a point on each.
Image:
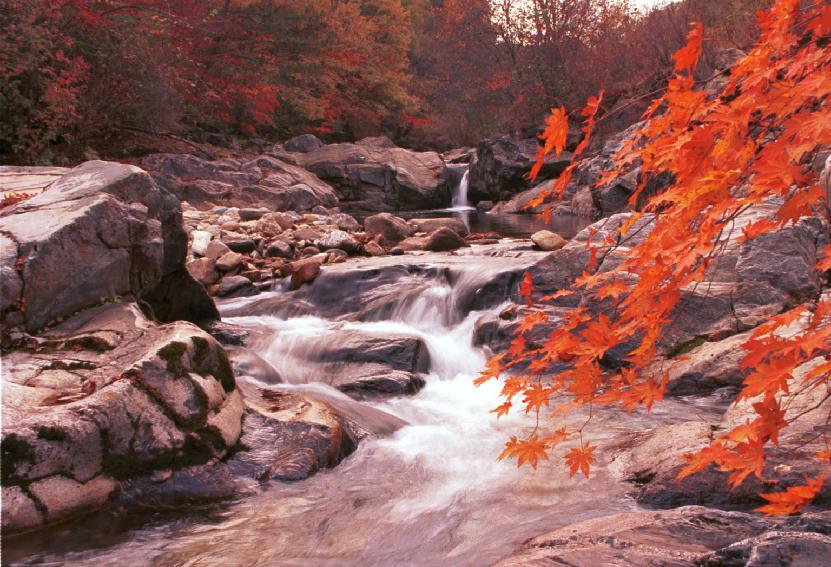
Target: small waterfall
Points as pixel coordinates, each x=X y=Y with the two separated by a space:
x=460 y=192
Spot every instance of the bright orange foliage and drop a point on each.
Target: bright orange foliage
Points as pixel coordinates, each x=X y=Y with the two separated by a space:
x=725 y=153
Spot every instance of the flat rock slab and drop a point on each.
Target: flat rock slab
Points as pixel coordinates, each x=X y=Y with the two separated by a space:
x=683 y=537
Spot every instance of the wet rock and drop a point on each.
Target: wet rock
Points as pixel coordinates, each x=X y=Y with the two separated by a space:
x=484 y=206
x=410 y=244
x=158 y=396
x=381 y=177
x=236 y=286
x=201 y=239
x=399 y=352
x=547 y=240
x=338 y=239
x=686 y=536
x=179 y=297
x=375 y=380
x=389 y=229
x=265 y=182
x=430 y=225
x=247 y=363
x=442 y=240
x=203 y=270
x=280 y=249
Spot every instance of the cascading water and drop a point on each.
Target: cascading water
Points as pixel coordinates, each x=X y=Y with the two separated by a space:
x=459 y=199
x=432 y=493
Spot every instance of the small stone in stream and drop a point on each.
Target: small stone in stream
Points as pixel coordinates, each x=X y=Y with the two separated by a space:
x=216 y=249
x=201 y=240
x=338 y=239
x=252 y=275
x=346 y=222
x=547 y=240
x=444 y=239
x=484 y=206
x=228 y=334
x=203 y=270
x=229 y=261
x=374 y=249
x=280 y=249
x=311 y=251
x=396 y=252
x=483 y=241
x=236 y=286
x=242 y=246
x=251 y=214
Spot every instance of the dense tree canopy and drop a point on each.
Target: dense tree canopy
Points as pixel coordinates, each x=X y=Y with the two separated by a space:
x=77 y=74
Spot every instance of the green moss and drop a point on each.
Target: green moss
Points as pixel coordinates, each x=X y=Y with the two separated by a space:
x=686 y=347
x=50 y=433
x=13 y=450
x=172 y=355
x=202 y=350
x=224 y=373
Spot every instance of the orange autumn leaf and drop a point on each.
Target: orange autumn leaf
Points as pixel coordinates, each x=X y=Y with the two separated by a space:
x=794 y=499
x=580 y=459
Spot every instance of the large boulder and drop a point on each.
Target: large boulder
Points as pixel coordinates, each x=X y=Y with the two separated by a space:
x=100 y=232
x=265 y=181
x=501 y=166
x=303 y=144
x=377 y=176
x=103 y=398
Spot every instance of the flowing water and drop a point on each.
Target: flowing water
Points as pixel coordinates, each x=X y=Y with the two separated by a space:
x=431 y=493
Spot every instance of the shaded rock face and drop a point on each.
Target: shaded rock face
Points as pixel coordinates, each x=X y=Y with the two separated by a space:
x=748 y=282
x=372 y=176
x=104 y=397
x=501 y=165
x=100 y=232
x=687 y=536
x=265 y=181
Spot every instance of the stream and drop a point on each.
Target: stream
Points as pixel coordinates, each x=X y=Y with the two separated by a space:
x=432 y=493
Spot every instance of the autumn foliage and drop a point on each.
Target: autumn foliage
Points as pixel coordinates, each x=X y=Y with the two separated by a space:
x=752 y=144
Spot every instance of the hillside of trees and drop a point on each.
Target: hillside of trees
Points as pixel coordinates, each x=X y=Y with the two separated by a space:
x=80 y=78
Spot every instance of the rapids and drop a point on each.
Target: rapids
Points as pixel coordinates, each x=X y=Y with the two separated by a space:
x=431 y=493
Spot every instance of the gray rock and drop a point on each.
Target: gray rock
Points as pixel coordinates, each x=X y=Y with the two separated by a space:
x=547 y=240
x=377 y=176
x=389 y=229
x=303 y=143
x=684 y=537
x=244 y=246
x=346 y=222
x=229 y=262
x=429 y=225
x=280 y=249
x=203 y=270
x=265 y=182
x=216 y=249
x=338 y=239
x=236 y=286
x=144 y=389
x=443 y=240
x=501 y=166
